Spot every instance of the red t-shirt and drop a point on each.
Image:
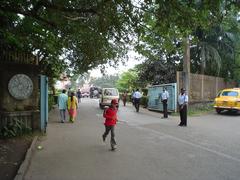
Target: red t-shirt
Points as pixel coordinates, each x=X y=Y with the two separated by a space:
x=111 y=116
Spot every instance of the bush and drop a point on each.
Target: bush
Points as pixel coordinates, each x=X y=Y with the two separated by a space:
x=145 y=91
x=144 y=101
x=51 y=102
x=15 y=128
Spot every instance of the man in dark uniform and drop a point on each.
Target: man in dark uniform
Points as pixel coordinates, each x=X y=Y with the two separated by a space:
x=183 y=101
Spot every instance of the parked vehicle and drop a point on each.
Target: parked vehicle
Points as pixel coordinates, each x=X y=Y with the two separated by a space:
x=85 y=94
x=107 y=95
x=94 y=92
x=227 y=99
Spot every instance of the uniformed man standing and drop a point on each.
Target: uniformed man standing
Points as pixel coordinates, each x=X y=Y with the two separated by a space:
x=164 y=99
x=183 y=101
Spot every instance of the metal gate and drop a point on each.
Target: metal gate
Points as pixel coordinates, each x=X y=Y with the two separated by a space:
x=43 y=102
x=154 y=101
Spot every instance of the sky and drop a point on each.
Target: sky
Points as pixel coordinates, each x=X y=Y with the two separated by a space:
x=134 y=59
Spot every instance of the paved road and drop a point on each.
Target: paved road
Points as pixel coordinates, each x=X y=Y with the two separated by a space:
x=149 y=148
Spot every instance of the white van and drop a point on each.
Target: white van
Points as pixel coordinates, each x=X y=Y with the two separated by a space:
x=107 y=95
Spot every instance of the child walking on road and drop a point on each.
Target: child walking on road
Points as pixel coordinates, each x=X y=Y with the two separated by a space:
x=111 y=118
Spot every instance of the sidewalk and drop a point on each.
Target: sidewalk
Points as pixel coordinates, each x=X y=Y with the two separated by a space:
x=76 y=151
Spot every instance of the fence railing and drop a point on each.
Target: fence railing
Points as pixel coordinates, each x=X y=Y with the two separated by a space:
x=18 y=58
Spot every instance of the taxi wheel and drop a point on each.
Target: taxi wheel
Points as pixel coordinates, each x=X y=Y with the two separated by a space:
x=218 y=110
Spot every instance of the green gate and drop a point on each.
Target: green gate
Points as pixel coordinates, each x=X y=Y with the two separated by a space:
x=43 y=102
x=154 y=94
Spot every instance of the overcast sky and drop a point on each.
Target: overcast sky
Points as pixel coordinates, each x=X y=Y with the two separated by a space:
x=134 y=59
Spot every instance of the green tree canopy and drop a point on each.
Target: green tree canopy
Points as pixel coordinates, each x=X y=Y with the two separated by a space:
x=129 y=81
x=107 y=81
x=168 y=24
x=79 y=34
x=83 y=34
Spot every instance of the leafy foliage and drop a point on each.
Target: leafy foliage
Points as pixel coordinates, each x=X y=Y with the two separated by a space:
x=107 y=81
x=167 y=24
x=128 y=81
x=15 y=128
x=78 y=35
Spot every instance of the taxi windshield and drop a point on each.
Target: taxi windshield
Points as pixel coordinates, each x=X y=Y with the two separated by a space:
x=110 y=92
x=230 y=93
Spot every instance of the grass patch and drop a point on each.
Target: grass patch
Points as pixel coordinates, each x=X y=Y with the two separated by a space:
x=198 y=109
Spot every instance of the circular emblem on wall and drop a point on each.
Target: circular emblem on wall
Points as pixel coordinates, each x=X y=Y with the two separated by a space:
x=20 y=86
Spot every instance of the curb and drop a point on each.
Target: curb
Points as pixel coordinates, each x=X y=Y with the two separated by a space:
x=25 y=164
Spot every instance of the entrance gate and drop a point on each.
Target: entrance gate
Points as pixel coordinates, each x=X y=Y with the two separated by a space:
x=43 y=102
x=154 y=100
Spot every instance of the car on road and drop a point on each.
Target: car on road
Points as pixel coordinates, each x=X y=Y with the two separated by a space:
x=227 y=99
x=107 y=95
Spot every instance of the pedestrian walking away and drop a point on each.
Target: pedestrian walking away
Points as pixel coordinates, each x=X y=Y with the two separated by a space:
x=110 y=116
x=164 y=99
x=62 y=105
x=72 y=107
x=69 y=92
x=137 y=97
x=124 y=98
x=183 y=101
x=79 y=95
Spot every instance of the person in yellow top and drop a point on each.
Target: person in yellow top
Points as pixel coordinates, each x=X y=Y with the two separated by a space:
x=72 y=105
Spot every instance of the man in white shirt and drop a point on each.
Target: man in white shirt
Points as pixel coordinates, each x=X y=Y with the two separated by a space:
x=182 y=102
x=137 y=96
x=164 y=99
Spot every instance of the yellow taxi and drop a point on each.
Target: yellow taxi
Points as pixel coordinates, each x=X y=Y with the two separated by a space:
x=228 y=99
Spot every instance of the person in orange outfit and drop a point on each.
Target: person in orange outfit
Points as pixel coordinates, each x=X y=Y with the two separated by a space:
x=110 y=115
x=72 y=105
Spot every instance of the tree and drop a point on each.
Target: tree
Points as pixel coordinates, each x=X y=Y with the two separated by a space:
x=156 y=72
x=217 y=51
x=79 y=34
x=173 y=23
x=128 y=81
x=107 y=81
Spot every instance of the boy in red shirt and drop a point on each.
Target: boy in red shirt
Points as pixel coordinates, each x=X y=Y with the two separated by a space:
x=111 y=118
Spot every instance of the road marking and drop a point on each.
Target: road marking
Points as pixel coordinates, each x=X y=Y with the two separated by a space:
x=190 y=143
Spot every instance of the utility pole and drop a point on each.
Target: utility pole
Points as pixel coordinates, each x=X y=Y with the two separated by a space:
x=186 y=64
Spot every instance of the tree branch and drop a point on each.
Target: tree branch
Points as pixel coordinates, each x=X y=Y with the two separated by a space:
x=35 y=16
x=49 y=5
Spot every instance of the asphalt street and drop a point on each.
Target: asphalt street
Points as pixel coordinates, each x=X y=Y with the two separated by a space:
x=149 y=148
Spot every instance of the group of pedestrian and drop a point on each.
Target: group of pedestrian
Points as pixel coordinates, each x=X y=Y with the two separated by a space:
x=182 y=103
x=135 y=97
x=110 y=114
x=67 y=103
x=70 y=103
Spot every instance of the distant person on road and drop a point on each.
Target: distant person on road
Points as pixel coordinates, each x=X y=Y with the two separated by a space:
x=182 y=102
x=164 y=99
x=79 y=95
x=72 y=107
x=137 y=97
x=62 y=105
x=124 y=98
x=110 y=115
x=69 y=92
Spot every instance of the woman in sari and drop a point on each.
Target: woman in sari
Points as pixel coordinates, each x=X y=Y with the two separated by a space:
x=72 y=107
